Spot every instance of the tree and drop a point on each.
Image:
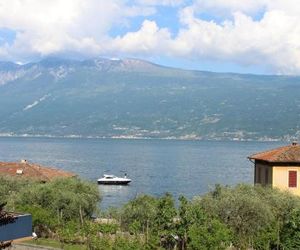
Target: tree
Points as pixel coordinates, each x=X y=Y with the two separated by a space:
x=243 y=210
x=208 y=234
x=138 y=214
x=282 y=204
x=290 y=233
x=66 y=198
x=204 y=231
x=183 y=223
x=10 y=188
x=164 y=221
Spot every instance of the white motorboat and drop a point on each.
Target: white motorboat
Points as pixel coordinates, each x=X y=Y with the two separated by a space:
x=113 y=180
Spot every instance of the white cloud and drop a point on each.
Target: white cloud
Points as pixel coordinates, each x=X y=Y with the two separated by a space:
x=150 y=38
x=46 y=27
x=225 y=7
x=272 y=42
x=161 y=2
x=51 y=26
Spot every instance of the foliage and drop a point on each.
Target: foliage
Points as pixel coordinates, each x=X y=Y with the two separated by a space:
x=55 y=244
x=108 y=228
x=205 y=232
x=10 y=187
x=244 y=216
x=127 y=244
x=68 y=198
x=99 y=243
x=139 y=213
x=41 y=217
x=164 y=221
x=290 y=233
x=169 y=227
x=60 y=206
x=209 y=234
x=254 y=214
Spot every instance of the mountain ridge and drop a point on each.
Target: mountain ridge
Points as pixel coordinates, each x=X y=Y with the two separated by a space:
x=132 y=98
x=55 y=61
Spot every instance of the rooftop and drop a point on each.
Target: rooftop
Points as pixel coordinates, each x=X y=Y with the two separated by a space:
x=24 y=169
x=286 y=154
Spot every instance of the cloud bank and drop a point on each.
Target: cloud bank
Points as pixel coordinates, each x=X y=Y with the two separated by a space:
x=264 y=33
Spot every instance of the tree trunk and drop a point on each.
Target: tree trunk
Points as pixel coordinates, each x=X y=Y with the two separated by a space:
x=81 y=217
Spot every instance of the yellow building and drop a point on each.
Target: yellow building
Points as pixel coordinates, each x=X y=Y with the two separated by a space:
x=279 y=167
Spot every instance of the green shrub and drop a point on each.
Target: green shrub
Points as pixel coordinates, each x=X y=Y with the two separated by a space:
x=68 y=198
x=108 y=228
x=40 y=216
x=139 y=214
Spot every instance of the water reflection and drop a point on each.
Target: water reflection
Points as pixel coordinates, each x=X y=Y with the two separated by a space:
x=114 y=195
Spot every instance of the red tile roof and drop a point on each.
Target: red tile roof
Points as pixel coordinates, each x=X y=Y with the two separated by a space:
x=286 y=154
x=32 y=171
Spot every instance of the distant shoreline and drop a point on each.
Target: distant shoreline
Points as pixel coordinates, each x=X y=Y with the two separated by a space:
x=140 y=138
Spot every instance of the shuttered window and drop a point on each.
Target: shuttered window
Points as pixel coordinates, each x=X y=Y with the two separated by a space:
x=292 y=179
x=266 y=176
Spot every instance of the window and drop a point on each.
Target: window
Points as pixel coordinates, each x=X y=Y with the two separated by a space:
x=293 y=179
x=266 y=176
x=258 y=177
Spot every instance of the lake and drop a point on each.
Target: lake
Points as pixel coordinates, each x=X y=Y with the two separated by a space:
x=155 y=166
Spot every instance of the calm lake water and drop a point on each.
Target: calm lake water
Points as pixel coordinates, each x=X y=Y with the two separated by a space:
x=155 y=166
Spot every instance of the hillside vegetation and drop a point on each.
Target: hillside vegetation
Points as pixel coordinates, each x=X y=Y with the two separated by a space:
x=132 y=98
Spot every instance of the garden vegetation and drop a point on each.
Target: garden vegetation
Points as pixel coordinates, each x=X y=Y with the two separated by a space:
x=240 y=217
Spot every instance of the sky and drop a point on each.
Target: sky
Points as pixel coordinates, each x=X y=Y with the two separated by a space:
x=243 y=36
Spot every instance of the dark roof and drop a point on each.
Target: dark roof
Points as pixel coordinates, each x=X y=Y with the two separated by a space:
x=32 y=171
x=286 y=154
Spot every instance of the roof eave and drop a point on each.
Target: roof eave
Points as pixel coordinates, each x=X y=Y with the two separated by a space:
x=277 y=163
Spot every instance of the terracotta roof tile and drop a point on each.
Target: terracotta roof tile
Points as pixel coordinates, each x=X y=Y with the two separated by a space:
x=32 y=171
x=286 y=154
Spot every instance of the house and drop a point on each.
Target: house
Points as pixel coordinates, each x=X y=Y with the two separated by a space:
x=24 y=169
x=279 y=167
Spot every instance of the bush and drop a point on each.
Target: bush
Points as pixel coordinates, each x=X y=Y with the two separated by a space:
x=197 y=230
x=139 y=214
x=249 y=217
x=55 y=206
x=254 y=214
x=10 y=188
x=68 y=199
x=290 y=233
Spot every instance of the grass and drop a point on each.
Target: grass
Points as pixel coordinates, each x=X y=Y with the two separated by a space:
x=56 y=244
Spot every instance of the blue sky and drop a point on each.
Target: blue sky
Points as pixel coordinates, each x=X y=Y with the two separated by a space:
x=248 y=36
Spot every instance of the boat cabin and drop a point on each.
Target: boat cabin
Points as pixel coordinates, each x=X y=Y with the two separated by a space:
x=109 y=176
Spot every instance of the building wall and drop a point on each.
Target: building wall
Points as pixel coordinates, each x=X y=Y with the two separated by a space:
x=281 y=178
x=263 y=174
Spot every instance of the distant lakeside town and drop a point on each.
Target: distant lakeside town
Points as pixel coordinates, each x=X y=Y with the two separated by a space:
x=191 y=137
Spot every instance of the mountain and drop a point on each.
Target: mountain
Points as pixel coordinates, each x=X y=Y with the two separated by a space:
x=133 y=98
